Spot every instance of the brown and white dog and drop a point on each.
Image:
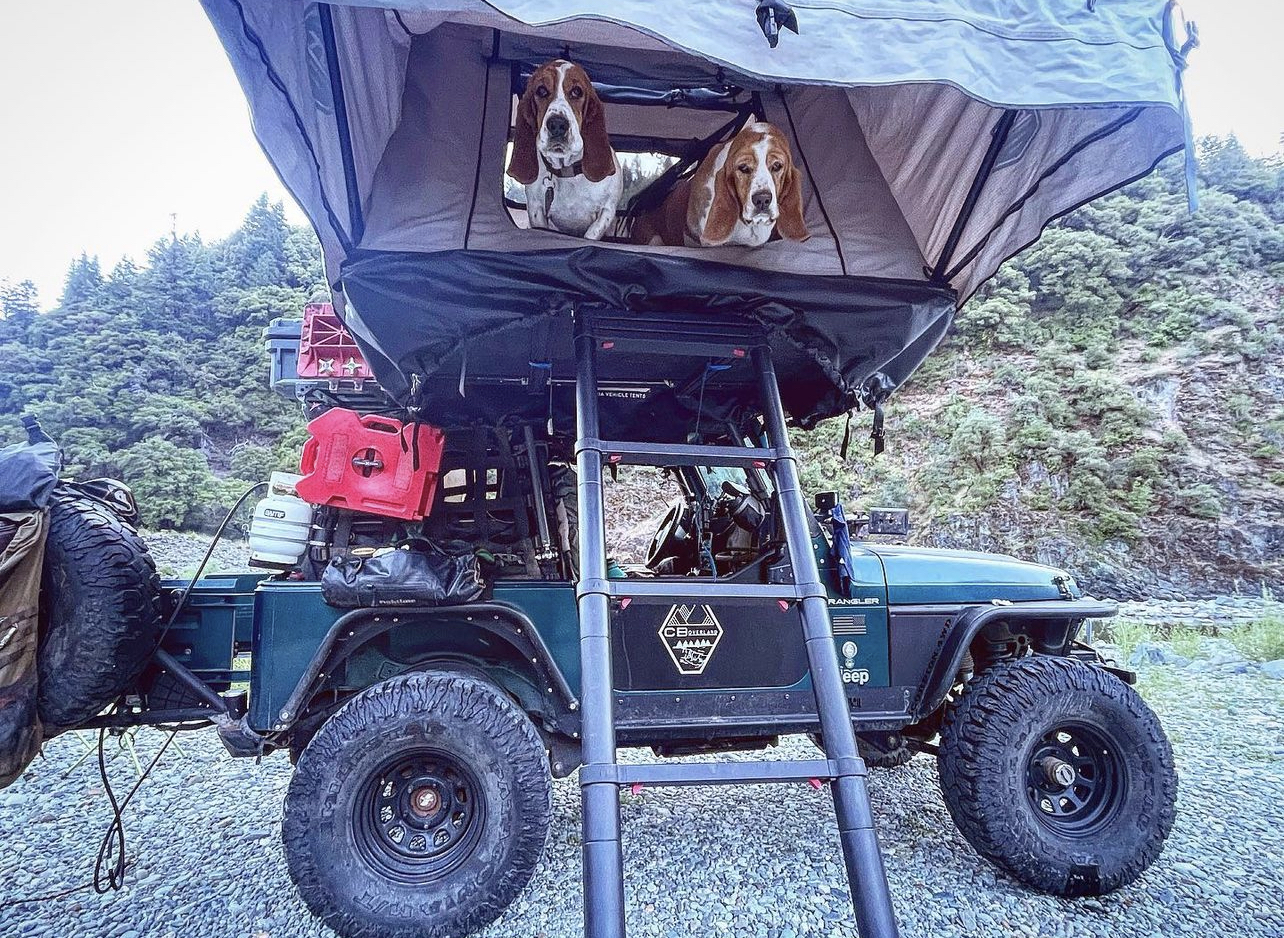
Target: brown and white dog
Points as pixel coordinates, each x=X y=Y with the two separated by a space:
x=562 y=154
x=744 y=190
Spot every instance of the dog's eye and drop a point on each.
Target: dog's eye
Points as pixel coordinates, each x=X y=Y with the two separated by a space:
x=541 y=92
x=577 y=92
x=777 y=166
x=745 y=168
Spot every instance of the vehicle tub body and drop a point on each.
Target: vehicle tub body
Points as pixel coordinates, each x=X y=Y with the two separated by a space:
x=693 y=668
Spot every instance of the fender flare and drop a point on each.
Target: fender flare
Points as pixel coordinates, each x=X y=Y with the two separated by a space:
x=968 y=624
x=354 y=629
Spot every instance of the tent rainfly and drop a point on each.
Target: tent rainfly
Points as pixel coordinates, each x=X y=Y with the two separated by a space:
x=937 y=140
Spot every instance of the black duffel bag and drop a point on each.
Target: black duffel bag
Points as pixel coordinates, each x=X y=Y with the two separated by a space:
x=419 y=573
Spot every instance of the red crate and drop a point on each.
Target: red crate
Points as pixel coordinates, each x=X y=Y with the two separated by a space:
x=326 y=350
x=367 y=464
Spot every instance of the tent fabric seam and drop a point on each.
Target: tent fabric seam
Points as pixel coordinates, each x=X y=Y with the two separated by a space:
x=820 y=202
x=333 y=69
x=998 y=139
x=481 y=136
x=1078 y=205
x=560 y=21
x=979 y=27
x=275 y=79
x=1101 y=133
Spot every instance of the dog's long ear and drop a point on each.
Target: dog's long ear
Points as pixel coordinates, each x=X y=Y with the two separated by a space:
x=724 y=211
x=789 y=221
x=524 y=163
x=599 y=159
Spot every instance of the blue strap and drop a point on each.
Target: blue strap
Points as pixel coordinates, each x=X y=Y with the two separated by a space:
x=842 y=548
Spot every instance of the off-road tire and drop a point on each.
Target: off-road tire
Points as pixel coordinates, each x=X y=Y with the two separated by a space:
x=341 y=777
x=100 y=611
x=991 y=741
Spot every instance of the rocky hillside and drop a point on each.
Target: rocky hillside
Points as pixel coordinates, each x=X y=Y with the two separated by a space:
x=1113 y=401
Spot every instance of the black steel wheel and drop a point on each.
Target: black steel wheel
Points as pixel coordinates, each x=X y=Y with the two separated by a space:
x=1075 y=777
x=419 y=817
x=1059 y=773
x=419 y=809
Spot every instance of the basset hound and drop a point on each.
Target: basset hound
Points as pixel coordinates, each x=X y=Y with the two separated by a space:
x=562 y=154
x=744 y=191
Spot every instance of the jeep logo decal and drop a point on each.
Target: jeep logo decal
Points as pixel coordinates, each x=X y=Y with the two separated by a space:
x=690 y=633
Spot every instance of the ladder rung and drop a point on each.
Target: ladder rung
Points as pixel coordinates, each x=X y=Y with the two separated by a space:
x=701 y=589
x=713 y=773
x=685 y=454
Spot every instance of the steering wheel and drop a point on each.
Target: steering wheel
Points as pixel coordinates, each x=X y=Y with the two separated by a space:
x=673 y=538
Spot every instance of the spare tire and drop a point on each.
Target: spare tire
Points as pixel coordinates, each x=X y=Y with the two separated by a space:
x=100 y=611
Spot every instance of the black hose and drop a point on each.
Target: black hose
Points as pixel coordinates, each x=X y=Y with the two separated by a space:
x=111 y=865
x=200 y=567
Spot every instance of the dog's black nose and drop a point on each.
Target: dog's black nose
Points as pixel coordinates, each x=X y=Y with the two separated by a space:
x=558 y=126
x=762 y=200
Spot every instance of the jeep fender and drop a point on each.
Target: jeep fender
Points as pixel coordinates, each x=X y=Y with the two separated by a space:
x=354 y=630
x=969 y=622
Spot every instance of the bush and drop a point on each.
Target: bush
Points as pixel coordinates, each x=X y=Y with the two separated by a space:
x=1260 y=640
x=173 y=485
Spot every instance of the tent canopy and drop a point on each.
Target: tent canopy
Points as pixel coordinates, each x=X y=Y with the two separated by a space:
x=936 y=141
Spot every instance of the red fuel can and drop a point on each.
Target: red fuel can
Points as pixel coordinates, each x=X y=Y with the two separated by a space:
x=366 y=463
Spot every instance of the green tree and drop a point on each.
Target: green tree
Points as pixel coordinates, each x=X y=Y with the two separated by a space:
x=19 y=305
x=172 y=483
x=83 y=284
x=255 y=254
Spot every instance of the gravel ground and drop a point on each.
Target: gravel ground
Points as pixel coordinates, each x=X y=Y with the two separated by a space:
x=760 y=861
x=178 y=552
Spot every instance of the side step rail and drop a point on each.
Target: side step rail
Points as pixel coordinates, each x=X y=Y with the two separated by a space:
x=601 y=775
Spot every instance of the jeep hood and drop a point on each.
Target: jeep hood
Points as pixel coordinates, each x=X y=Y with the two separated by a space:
x=922 y=575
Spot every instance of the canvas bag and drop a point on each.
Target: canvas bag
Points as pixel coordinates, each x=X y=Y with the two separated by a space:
x=22 y=549
x=403 y=577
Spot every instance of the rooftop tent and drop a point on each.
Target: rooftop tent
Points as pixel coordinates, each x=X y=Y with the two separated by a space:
x=936 y=141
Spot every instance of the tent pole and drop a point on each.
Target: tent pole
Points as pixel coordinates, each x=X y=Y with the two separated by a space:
x=356 y=220
x=998 y=137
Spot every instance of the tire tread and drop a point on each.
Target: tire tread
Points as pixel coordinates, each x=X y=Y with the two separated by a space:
x=101 y=611
x=976 y=746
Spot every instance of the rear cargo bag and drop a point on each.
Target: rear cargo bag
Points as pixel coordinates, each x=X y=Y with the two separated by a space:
x=22 y=546
x=430 y=576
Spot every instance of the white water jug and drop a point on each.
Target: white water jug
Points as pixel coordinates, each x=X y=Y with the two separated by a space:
x=281 y=525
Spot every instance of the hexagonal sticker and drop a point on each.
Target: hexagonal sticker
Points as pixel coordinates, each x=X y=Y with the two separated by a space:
x=690 y=633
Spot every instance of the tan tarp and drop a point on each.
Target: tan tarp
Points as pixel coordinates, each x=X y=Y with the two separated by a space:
x=21 y=560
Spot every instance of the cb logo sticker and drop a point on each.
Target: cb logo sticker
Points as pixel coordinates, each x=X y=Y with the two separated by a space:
x=690 y=634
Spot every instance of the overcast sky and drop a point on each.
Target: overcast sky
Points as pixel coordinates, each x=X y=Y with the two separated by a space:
x=115 y=114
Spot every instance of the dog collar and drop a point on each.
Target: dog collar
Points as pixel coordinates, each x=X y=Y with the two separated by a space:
x=565 y=172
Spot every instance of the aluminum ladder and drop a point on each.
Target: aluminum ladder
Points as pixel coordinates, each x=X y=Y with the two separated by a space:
x=601 y=777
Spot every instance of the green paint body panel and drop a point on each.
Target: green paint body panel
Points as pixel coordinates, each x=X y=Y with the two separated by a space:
x=290 y=623
x=922 y=575
x=551 y=606
x=216 y=624
x=859 y=620
x=284 y=623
